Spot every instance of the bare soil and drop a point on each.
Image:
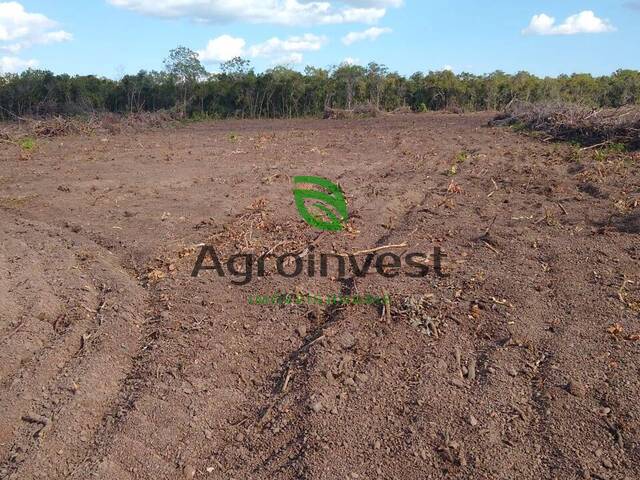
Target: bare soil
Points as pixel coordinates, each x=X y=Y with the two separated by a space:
x=521 y=363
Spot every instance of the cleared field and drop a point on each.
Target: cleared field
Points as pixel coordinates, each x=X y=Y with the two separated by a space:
x=522 y=362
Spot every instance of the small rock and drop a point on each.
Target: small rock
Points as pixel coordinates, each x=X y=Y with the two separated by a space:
x=239 y=437
x=377 y=444
x=189 y=471
x=208 y=434
x=473 y=421
x=316 y=406
x=512 y=371
x=302 y=331
x=607 y=463
x=347 y=341
x=458 y=382
x=576 y=388
x=329 y=376
x=471 y=371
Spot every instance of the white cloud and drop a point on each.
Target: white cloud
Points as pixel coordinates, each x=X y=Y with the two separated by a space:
x=222 y=48
x=278 y=51
x=369 y=34
x=447 y=67
x=281 y=12
x=293 y=58
x=15 y=64
x=274 y=46
x=354 y=15
x=583 y=22
x=57 y=36
x=20 y=29
x=350 y=61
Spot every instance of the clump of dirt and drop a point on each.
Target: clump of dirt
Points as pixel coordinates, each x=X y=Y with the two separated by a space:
x=629 y=223
x=591 y=189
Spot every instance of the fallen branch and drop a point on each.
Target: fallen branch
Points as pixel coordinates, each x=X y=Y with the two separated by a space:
x=373 y=250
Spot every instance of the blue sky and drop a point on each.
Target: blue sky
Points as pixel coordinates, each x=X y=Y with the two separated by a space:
x=113 y=37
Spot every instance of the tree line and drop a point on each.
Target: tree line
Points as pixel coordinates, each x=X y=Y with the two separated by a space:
x=237 y=90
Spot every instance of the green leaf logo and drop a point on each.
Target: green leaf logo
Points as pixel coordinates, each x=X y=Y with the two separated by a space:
x=323 y=218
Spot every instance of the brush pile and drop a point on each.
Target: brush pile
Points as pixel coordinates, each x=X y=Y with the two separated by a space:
x=401 y=110
x=364 y=110
x=571 y=122
x=60 y=126
x=108 y=123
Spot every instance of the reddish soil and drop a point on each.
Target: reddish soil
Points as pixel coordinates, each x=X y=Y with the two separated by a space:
x=523 y=362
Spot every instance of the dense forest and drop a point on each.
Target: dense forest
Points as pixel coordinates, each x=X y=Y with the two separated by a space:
x=238 y=91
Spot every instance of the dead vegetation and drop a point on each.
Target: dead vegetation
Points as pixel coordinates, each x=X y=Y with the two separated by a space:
x=58 y=126
x=364 y=110
x=402 y=110
x=572 y=122
x=417 y=310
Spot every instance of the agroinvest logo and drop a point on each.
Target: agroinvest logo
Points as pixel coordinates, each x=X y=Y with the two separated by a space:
x=333 y=197
x=327 y=211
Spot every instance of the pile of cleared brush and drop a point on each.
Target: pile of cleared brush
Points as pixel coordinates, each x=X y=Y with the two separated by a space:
x=134 y=122
x=59 y=126
x=571 y=122
x=364 y=110
x=103 y=123
x=401 y=110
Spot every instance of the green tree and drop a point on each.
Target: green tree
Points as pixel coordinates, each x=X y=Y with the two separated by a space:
x=184 y=65
x=375 y=77
x=236 y=67
x=238 y=91
x=348 y=78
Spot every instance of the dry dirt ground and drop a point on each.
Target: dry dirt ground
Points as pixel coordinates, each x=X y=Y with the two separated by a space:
x=521 y=363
